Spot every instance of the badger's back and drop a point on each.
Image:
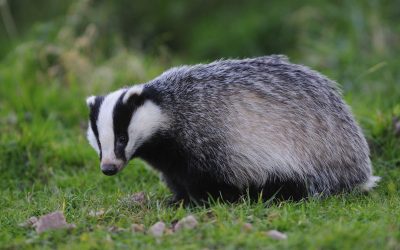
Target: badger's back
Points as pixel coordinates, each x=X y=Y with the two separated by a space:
x=259 y=120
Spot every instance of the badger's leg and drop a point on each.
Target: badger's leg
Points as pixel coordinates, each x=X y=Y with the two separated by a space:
x=284 y=190
x=202 y=189
x=179 y=191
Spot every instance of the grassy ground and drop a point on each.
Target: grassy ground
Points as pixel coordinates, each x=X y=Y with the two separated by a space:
x=47 y=165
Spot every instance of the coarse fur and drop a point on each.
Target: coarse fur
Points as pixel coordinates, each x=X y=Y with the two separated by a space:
x=234 y=127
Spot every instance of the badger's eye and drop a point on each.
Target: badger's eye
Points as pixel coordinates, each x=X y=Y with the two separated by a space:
x=122 y=139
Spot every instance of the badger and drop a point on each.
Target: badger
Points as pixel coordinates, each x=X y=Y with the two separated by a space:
x=261 y=127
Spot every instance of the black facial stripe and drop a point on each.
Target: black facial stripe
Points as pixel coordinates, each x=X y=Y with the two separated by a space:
x=122 y=115
x=93 y=116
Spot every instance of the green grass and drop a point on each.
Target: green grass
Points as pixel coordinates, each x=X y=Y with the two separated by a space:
x=47 y=165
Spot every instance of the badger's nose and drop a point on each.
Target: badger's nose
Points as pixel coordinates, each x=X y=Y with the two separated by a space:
x=109 y=169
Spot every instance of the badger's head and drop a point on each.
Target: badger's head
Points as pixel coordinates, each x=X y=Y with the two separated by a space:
x=119 y=123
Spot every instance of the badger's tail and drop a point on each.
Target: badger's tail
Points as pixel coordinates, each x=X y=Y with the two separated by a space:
x=370 y=183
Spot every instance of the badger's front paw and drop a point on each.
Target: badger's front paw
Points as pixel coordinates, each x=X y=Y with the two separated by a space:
x=177 y=201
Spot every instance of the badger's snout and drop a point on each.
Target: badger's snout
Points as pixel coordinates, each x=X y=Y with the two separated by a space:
x=109 y=169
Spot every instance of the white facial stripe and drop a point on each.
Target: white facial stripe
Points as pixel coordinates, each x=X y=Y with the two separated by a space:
x=105 y=127
x=146 y=120
x=135 y=90
x=92 y=139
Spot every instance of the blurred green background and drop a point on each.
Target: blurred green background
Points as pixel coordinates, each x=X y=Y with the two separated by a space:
x=349 y=38
x=203 y=30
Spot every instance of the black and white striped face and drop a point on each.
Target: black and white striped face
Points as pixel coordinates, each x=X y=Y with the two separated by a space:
x=119 y=123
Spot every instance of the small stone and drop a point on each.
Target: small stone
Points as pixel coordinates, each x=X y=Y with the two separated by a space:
x=137 y=228
x=274 y=234
x=157 y=230
x=188 y=222
x=115 y=229
x=247 y=227
x=98 y=213
x=53 y=220
x=29 y=222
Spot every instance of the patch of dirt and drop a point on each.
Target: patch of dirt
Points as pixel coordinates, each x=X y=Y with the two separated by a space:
x=134 y=200
x=137 y=228
x=247 y=227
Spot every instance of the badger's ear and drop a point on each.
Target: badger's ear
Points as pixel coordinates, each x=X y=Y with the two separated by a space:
x=90 y=101
x=132 y=93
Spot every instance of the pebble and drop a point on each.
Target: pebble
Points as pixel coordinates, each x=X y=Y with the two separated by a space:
x=274 y=234
x=157 y=230
x=53 y=220
x=188 y=222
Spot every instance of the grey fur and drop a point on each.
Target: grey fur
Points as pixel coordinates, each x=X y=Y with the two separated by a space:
x=254 y=120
